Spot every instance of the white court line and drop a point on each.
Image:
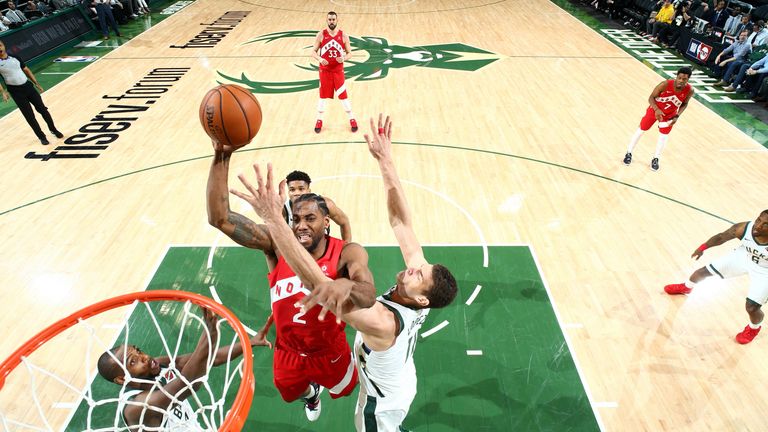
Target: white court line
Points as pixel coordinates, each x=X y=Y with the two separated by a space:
x=568 y=342
x=475 y=352
x=573 y=325
x=474 y=294
x=435 y=329
x=445 y=197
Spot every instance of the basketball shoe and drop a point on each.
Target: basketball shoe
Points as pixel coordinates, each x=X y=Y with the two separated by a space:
x=353 y=124
x=747 y=335
x=318 y=126
x=312 y=405
x=627 y=158
x=680 y=288
x=655 y=164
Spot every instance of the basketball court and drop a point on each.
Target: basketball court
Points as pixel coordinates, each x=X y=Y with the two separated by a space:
x=511 y=120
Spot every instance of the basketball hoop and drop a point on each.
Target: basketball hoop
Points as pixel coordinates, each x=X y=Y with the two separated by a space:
x=232 y=419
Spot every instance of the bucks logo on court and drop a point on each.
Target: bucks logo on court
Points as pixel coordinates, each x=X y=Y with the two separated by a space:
x=381 y=58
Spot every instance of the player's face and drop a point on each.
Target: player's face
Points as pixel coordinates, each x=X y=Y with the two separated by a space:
x=138 y=363
x=680 y=81
x=760 y=227
x=309 y=224
x=414 y=282
x=332 y=19
x=297 y=188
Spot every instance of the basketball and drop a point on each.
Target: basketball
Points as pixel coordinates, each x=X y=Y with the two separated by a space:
x=230 y=115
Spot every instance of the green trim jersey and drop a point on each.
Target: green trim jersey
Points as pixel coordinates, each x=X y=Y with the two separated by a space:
x=758 y=253
x=390 y=375
x=179 y=417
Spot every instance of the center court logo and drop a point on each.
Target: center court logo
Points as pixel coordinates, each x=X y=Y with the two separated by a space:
x=382 y=57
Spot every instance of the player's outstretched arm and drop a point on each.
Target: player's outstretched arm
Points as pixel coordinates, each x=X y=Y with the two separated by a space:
x=380 y=146
x=735 y=231
x=358 y=289
x=652 y=99
x=339 y=218
x=194 y=368
x=238 y=227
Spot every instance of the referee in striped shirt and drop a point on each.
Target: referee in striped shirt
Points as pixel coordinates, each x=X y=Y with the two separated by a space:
x=21 y=84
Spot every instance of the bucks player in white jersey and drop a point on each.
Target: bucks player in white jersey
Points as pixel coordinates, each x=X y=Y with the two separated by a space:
x=387 y=331
x=750 y=258
x=147 y=406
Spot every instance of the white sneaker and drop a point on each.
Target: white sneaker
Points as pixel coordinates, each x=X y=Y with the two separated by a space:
x=312 y=406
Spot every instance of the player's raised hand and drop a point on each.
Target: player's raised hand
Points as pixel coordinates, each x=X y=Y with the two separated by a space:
x=331 y=295
x=380 y=140
x=222 y=147
x=697 y=253
x=264 y=199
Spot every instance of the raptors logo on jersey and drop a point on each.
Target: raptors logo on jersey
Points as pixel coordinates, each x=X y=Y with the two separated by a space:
x=331 y=48
x=669 y=101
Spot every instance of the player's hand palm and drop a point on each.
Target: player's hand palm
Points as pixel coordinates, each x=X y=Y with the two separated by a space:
x=324 y=62
x=697 y=254
x=380 y=140
x=222 y=147
x=264 y=199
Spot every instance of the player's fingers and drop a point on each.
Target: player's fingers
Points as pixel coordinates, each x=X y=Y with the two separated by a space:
x=269 y=176
x=323 y=313
x=246 y=183
x=373 y=128
x=282 y=190
x=240 y=194
x=259 y=177
x=389 y=130
x=309 y=301
x=380 y=118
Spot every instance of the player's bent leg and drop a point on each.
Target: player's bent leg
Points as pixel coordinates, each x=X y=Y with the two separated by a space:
x=289 y=377
x=754 y=309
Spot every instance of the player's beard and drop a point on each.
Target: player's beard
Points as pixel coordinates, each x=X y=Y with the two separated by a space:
x=332 y=26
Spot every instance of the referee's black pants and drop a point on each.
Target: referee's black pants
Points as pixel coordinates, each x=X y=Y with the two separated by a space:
x=26 y=96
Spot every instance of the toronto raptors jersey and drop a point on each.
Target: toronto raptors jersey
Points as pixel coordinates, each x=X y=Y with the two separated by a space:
x=330 y=49
x=296 y=330
x=758 y=253
x=669 y=100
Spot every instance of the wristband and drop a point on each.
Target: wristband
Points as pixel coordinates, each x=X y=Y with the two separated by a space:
x=703 y=247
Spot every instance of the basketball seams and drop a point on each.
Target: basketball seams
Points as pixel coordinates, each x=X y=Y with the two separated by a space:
x=221 y=115
x=242 y=110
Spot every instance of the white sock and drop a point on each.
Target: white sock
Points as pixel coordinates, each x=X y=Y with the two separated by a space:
x=755 y=326
x=689 y=284
x=321 y=108
x=633 y=141
x=348 y=108
x=660 y=145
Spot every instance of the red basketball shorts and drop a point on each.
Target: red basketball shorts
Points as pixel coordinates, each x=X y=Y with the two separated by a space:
x=650 y=118
x=332 y=369
x=332 y=84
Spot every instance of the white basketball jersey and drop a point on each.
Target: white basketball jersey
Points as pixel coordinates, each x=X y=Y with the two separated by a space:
x=387 y=373
x=179 y=417
x=758 y=254
x=288 y=212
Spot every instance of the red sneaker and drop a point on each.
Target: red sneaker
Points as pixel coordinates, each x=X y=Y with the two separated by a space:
x=680 y=288
x=318 y=126
x=353 y=123
x=747 y=335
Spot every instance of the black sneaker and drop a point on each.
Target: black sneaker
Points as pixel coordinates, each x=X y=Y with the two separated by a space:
x=312 y=405
x=655 y=164
x=44 y=141
x=57 y=134
x=627 y=158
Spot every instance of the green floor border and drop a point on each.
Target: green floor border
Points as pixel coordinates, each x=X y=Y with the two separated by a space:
x=731 y=112
x=49 y=73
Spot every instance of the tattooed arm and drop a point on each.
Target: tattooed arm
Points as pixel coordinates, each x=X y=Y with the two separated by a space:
x=238 y=227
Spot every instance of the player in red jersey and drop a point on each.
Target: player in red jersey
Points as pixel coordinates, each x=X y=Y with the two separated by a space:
x=667 y=102
x=330 y=50
x=309 y=353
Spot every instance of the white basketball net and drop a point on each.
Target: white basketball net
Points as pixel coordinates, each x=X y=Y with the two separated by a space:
x=206 y=407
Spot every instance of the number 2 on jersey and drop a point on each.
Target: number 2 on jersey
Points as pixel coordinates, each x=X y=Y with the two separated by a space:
x=299 y=314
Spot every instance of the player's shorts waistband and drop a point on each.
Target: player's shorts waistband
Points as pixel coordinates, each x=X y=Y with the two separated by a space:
x=332 y=349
